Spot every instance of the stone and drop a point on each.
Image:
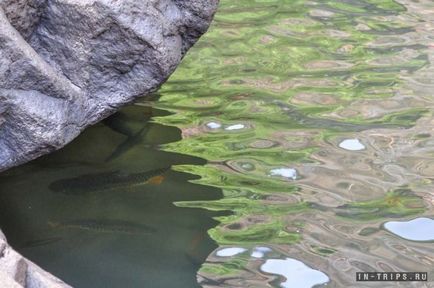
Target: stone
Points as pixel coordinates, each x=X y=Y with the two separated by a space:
x=16 y=271
x=38 y=278
x=7 y=282
x=67 y=64
x=14 y=265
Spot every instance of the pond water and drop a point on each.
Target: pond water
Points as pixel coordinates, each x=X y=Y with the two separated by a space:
x=100 y=212
x=297 y=130
x=419 y=229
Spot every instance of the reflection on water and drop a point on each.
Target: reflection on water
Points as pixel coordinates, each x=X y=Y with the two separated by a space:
x=315 y=119
x=352 y=145
x=419 y=229
x=260 y=252
x=96 y=220
x=296 y=273
x=231 y=251
x=284 y=172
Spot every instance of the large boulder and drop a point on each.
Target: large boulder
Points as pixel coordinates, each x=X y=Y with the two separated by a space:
x=67 y=64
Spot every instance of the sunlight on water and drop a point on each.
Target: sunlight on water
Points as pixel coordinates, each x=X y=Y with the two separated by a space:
x=419 y=229
x=313 y=118
x=284 y=172
x=296 y=273
x=316 y=121
x=228 y=252
x=260 y=252
x=352 y=145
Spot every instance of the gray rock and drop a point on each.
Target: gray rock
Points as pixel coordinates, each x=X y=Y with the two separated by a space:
x=18 y=272
x=67 y=64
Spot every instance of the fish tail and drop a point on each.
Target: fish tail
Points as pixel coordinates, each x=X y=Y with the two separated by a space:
x=156 y=180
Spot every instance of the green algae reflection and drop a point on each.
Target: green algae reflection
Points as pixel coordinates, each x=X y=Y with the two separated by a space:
x=267 y=88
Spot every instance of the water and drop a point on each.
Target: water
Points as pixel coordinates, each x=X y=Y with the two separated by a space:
x=304 y=128
x=297 y=274
x=352 y=145
x=87 y=220
x=419 y=229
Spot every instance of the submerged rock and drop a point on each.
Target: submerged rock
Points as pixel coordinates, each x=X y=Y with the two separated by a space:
x=67 y=64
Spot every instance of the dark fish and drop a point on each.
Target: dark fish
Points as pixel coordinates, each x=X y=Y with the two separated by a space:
x=106 y=181
x=130 y=142
x=40 y=242
x=105 y=226
x=127 y=124
x=193 y=254
x=118 y=122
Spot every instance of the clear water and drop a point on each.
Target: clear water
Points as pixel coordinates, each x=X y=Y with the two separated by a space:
x=302 y=127
x=127 y=235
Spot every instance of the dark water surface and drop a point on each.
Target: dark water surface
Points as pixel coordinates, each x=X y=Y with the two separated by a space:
x=309 y=124
x=96 y=220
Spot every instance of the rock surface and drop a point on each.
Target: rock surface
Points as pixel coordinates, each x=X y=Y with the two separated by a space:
x=18 y=272
x=67 y=64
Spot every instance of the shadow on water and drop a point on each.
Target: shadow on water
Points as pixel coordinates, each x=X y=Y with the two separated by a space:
x=316 y=122
x=100 y=212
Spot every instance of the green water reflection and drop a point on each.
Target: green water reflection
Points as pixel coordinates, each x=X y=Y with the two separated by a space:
x=264 y=100
x=268 y=95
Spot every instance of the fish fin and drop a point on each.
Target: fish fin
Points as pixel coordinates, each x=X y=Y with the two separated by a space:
x=128 y=144
x=157 y=180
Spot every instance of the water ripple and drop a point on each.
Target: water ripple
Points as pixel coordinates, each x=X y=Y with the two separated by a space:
x=322 y=132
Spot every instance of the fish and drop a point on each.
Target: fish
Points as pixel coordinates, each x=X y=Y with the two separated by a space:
x=107 y=181
x=130 y=142
x=193 y=253
x=104 y=226
x=123 y=124
x=118 y=122
x=127 y=122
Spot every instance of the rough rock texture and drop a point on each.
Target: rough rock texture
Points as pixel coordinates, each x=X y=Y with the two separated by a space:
x=66 y=64
x=18 y=272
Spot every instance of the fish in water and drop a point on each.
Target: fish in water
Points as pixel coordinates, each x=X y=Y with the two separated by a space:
x=128 y=123
x=107 y=181
x=194 y=253
x=121 y=123
x=129 y=143
x=104 y=226
x=118 y=122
